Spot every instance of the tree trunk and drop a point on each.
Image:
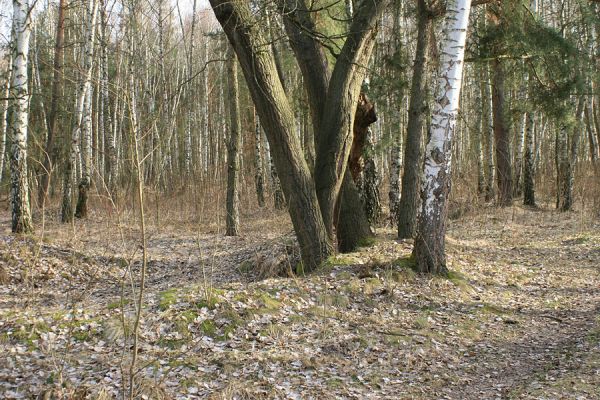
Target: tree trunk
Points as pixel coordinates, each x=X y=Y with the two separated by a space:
x=233 y=146
x=4 y=123
x=529 y=162
x=519 y=156
x=277 y=118
x=564 y=189
x=21 y=28
x=78 y=124
x=502 y=140
x=370 y=184
x=593 y=141
x=259 y=176
x=417 y=109
x=429 y=249
x=488 y=132
x=86 y=122
x=352 y=226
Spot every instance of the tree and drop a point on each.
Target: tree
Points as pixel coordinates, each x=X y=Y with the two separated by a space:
x=311 y=201
x=233 y=146
x=50 y=150
x=82 y=122
x=409 y=199
x=429 y=249
x=86 y=123
x=21 y=30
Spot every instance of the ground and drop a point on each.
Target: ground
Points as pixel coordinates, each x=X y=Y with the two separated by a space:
x=518 y=318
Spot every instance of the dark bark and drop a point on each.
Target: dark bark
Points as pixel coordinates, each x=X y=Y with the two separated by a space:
x=501 y=137
x=528 y=163
x=258 y=66
x=417 y=109
x=50 y=151
x=81 y=210
x=352 y=226
x=335 y=134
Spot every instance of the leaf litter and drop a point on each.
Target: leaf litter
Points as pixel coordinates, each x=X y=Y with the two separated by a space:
x=518 y=317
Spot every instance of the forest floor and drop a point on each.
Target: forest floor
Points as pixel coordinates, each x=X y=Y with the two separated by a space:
x=518 y=318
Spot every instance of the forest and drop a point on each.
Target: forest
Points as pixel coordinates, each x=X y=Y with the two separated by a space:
x=299 y=199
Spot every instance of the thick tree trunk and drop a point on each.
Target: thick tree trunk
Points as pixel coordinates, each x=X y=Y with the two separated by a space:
x=429 y=249
x=335 y=134
x=370 y=183
x=21 y=28
x=501 y=137
x=352 y=226
x=417 y=109
x=233 y=147
x=277 y=119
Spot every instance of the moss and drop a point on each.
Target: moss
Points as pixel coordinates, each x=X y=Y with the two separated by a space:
x=406 y=263
x=352 y=287
x=208 y=327
x=172 y=344
x=421 y=322
x=246 y=266
x=187 y=362
x=492 y=309
x=210 y=303
x=299 y=270
x=371 y=285
x=367 y=241
x=335 y=300
x=118 y=304
x=188 y=315
x=335 y=383
x=166 y=299
x=269 y=302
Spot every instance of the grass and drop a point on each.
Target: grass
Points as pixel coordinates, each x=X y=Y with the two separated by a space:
x=166 y=299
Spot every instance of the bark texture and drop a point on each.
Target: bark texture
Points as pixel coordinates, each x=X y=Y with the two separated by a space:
x=19 y=193
x=233 y=146
x=429 y=249
x=417 y=109
x=501 y=137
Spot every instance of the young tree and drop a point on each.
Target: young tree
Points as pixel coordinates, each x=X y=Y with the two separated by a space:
x=429 y=249
x=21 y=30
x=80 y=123
x=50 y=150
x=233 y=147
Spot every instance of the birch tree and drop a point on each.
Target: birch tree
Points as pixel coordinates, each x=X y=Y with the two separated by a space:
x=4 y=125
x=429 y=249
x=233 y=146
x=21 y=30
x=81 y=127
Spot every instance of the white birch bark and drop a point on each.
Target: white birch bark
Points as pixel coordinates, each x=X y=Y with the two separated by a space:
x=82 y=125
x=429 y=250
x=21 y=28
x=3 y=122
